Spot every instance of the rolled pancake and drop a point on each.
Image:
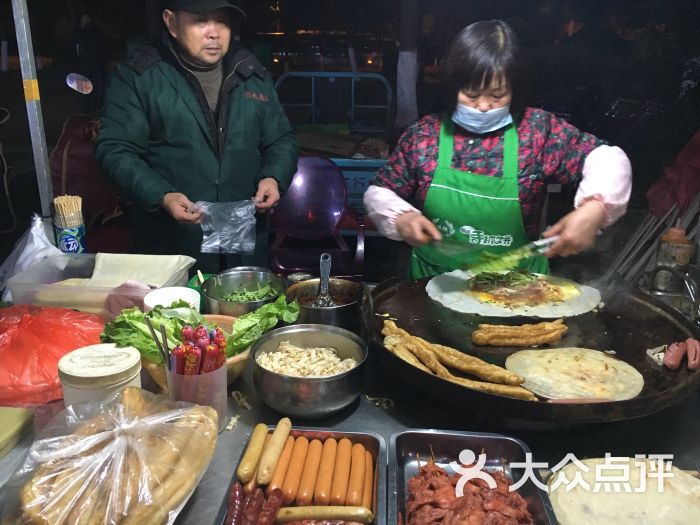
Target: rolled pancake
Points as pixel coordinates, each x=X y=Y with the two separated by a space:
x=677 y=504
x=450 y=290
x=563 y=373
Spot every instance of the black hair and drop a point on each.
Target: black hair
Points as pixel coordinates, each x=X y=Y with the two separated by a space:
x=481 y=52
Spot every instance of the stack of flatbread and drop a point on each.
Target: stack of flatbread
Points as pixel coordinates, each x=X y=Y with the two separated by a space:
x=135 y=461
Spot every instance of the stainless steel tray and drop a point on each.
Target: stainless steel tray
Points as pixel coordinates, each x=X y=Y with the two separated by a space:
x=372 y=441
x=405 y=447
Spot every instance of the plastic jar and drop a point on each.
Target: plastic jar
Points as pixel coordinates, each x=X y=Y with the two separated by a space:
x=94 y=372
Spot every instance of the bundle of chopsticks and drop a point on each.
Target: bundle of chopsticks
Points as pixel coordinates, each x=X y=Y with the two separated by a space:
x=435 y=360
x=523 y=335
x=68 y=211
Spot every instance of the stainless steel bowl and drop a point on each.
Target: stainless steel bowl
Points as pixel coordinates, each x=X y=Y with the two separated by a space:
x=310 y=397
x=346 y=293
x=219 y=286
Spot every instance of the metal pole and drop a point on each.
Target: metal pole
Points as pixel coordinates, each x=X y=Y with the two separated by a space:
x=33 y=100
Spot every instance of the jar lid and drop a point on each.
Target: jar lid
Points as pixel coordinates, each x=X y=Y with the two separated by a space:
x=99 y=366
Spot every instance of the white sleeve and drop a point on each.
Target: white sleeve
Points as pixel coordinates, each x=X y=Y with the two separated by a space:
x=383 y=206
x=607 y=179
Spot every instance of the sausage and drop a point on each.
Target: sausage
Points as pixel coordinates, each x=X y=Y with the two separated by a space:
x=296 y=467
x=357 y=476
x=273 y=451
x=282 y=466
x=257 y=499
x=333 y=512
x=341 y=472
x=251 y=457
x=368 y=487
x=693 y=348
x=271 y=508
x=674 y=355
x=250 y=486
x=322 y=492
x=310 y=473
x=235 y=505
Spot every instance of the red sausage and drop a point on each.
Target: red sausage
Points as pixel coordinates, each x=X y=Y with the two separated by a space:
x=271 y=508
x=693 y=346
x=674 y=355
x=257 y=498
x=235 y=505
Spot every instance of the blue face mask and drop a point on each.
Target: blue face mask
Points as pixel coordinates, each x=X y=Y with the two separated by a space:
x=482 y=122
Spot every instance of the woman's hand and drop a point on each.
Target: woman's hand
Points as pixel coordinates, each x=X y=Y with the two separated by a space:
x=415 y=229
x=577 y=230
x=180 y=208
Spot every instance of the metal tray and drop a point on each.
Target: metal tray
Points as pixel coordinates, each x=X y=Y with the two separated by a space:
x=372 y=441
x=407 y=446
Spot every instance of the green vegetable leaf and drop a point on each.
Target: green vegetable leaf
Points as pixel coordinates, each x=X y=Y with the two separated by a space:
x=249 y=327
x=244 y=295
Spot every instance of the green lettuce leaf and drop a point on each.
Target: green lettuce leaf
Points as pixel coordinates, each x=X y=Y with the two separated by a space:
x=249 y=327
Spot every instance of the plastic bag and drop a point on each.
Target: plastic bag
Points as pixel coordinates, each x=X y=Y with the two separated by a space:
x=32 y=246
x=32 y=340
x=228 y=227
x=133 y=458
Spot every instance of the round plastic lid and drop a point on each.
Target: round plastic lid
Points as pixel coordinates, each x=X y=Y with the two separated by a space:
x=99 y=366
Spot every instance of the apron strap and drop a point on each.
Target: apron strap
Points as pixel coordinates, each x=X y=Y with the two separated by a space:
x=446 y=143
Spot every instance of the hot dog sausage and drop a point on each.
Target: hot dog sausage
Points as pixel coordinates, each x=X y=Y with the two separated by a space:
x=341 y=472
x=296 y=467
x=674 y=355
x=252 y=483
x=273 y=451
x=322 y=492
x=282 y=466
x=368 y=487
x=357 y=476
x=310 y=473
x=252 y=454
x=290 y=514
x=693 y=348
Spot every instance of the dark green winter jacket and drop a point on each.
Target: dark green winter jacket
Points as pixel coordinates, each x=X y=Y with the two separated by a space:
x=158 y=135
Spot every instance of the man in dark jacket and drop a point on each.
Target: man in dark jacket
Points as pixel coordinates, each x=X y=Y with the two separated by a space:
x=196 y=119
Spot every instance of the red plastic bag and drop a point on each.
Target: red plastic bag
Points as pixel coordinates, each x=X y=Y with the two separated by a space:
x=32 y=340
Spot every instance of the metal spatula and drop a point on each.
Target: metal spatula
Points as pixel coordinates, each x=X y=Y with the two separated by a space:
x=324 y=300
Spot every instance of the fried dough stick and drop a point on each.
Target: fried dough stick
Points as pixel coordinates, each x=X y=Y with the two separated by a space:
x=482 y=338
x=456 y=359
x=545 y=326
x=393 y=344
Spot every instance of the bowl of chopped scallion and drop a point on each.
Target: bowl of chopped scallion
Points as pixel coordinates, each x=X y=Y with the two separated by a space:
x=237 y=291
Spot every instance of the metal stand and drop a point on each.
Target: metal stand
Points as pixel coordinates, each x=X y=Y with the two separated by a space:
x=31 y=96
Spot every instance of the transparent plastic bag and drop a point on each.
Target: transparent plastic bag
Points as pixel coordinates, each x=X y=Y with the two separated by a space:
x=228 y=227
x=133 y=458
x=32 y=246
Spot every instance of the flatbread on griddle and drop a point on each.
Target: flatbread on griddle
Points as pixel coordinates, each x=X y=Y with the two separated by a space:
x=677 y=504
x=564 y=373
x=451 y=290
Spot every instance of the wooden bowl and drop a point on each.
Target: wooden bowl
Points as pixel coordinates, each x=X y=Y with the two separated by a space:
x=234 y=365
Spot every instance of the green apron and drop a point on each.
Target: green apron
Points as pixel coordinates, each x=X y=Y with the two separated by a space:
x=477 y=210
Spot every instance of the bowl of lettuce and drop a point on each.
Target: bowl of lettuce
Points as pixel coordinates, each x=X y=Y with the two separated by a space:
x=130 y=329
x=239 y=291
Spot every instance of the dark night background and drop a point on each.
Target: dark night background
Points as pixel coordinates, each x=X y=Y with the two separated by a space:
x=615 y=68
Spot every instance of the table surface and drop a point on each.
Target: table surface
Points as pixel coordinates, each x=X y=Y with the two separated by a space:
x=674 y=431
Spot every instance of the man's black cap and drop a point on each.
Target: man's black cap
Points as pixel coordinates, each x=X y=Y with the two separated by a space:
x=203 y=6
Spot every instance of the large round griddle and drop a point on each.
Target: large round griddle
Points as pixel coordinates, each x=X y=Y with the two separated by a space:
x=629 y=323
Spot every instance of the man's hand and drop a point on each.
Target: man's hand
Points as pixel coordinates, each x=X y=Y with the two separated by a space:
x=415 y=229
x=577 y=230
x=268 y=194
x=177 y=205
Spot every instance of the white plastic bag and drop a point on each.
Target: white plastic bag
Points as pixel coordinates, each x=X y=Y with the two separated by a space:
x=228 y=227
x=131 y=459
x=33 y=246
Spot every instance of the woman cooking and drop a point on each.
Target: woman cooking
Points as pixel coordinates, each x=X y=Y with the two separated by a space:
x=478 y=175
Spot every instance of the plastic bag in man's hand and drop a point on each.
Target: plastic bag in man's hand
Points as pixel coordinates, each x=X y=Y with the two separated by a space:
x=131 y=459
x=228 y=227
